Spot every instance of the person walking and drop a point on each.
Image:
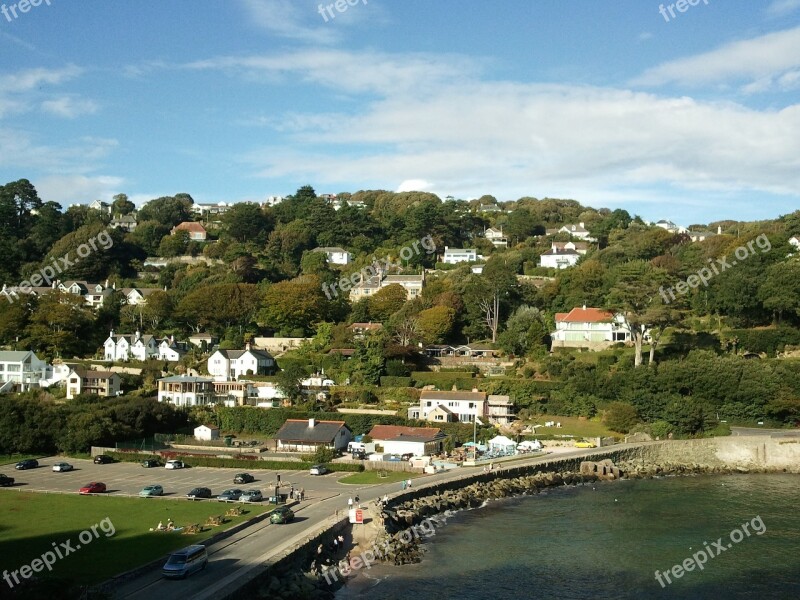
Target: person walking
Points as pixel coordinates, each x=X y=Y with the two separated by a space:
x=350 y=502
x=302 y=494
x=358 y=503
x=409 y=484
x=403 y=485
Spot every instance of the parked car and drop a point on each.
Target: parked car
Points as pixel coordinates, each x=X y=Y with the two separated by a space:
x=5 y=480
x=152 y=490
x=230 y=495
x=199 y=493
x=318 y=470
x=584 y=444
x=251 y=496
x=407 y=456
x=243 y=478
x=103 y=459
x=175 y=464
x=282 y=514
x=62 y=467
x=94 y=487
x=149 y=463
x=185 y=562
x=28 y=463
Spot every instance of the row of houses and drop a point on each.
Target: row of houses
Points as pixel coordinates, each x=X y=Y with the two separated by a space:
x=94 y=294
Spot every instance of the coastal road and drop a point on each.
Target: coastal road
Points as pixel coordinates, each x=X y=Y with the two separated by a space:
x=250 y=549
x=747 y=431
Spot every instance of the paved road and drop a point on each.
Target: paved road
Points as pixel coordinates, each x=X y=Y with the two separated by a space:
x=764 y=431
x=231 y=559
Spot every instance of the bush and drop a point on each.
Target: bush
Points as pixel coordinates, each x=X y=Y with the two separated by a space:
x=660 y=429
x=394 y=381
x=621 y=417
x=396 y=368
x=233 y=463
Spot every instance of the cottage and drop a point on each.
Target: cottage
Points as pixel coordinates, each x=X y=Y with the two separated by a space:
x=21 y=369
x=336 y=255
x=206 y=433
x=300 y=435
x=592 y=328
x=130 y=347
x=460 y=406
x=232 y=364
x=105 y=384
x=418 y=441
x=453 y=256
x=496 y=237
x=196 y=231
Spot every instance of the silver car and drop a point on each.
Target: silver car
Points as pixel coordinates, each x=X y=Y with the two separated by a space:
x=251 y=496
x=62 y=467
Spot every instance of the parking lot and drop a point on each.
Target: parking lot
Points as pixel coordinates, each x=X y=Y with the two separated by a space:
x=128 y=479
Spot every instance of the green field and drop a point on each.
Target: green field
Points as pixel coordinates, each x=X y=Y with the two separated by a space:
x=572 y=426
x=373 y=477
x=31 y=523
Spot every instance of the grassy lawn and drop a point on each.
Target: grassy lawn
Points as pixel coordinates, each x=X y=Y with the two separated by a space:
x=31 y=523
x=372 y=477
x=573 y=426
x=10 y=459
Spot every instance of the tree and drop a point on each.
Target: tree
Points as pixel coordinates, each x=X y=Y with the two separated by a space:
x=169 y=210
x=247 y=222
x=121 y=205
x=407 y=331
x=290 y=381
x=298 y=304
x=779 y=291
x=525 y=332
x=59 y=325
x=632 y=296
x=621 y=417
x=436 y=323
x=387 y=301
x=220 y=306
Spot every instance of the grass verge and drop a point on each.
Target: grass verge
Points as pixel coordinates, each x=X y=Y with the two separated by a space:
x=374 y=477
x=33 y=524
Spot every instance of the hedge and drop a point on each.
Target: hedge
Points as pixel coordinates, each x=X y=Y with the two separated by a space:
x=252 y=420
x=389 y=381
x=232 y=463
x=769 y=341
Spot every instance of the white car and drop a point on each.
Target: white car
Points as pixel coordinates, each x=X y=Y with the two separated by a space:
x=62 y=467
x=318 y=470
x=174 y=464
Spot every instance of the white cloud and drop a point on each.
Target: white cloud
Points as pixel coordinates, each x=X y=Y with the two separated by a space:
x=415 y=185
x=24 y=81
x=781 y=8
x=752 y=60
x=290 y=19
x=19 y=150
x=77 y=189
x=69 y=107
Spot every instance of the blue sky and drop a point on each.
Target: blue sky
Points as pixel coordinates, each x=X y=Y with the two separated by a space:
x=694 y=118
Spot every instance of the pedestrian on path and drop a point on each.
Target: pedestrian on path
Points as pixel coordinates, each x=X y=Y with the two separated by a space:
x=409 y=484
x=350 y=503
x=403 y=485
x=358 y=503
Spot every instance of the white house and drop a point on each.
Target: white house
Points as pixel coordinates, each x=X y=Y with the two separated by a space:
x=206 y=433
x=419 y=441
x=559 y=259
x=232 y=364
x=592 y=328
x=670 y=226
x=462 y=407
x=170 y=350
x=21 y=369
x=453 y=256
x=182 y=390
x=576 y=230
x=336 y=255
x=127 y=347
x=135 y=296
x=496 y=237
x=369 y=286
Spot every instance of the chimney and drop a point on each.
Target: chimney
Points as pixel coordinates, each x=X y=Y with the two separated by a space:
x=584 y=307
x=247 y=347
x=137 y=335
x=312 y=423
x=474 y=390
x=719 y=229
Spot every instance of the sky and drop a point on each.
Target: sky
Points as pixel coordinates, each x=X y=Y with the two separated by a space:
x=692 y=116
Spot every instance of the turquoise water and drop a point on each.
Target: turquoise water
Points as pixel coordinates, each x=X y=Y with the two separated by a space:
x=606 y=542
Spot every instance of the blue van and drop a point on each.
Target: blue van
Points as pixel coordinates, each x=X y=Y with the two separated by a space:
x=185 y=562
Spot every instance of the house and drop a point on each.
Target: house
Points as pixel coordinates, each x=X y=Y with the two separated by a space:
x=135 y=296
x=496 y=237
x=125 y=222
x=419 y=441
x=670 y=226
x=360 y=329
x=196 y=231
x=94 y=294
x=368 y=286
x=272 y=201
x=500 y=410
x=211 y=209
x=700 y=236
x=476 y=350
x=461 y=407
x=203 y=340
x=232 y=364
x=336 y=255
x=301 y=435
x=170 y=350
x=84 y=381
x=127 y=347
x=182 y=390
x=592 y=328
x=21 y=369
x=490 y=208
x=563 y=255
x=453 y=256
x=794 y=241
x=101 y=206
x=206 y=433
x=576 y=230
x=345 y=353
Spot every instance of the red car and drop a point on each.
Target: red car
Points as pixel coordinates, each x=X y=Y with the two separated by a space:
x=93 y=488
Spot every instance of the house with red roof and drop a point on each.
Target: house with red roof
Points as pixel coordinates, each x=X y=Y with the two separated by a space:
x=592 y=328
x=195 y=230
x=418 y=441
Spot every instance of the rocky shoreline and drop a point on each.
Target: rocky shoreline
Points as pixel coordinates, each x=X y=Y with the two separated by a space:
x=401 y=526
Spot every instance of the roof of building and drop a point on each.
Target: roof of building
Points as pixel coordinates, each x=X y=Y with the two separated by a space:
x=497 y=399
x=330 y=249
x=399 y=433
x=434 y=395
x=92 y=374
x=585 y=315
x=300 y=430
x=367 y=326
x=560 y=252
x=190 y=226
x=184 y=378
x=234 y=354
x=14 y=355
x=342 y=351
x=404 y=278
x=209 y=426
x=458 y=250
